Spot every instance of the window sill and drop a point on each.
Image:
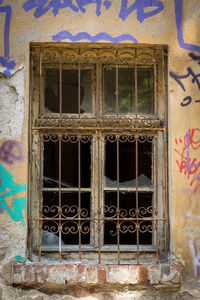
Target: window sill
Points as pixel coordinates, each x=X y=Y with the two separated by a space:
x=31 y=274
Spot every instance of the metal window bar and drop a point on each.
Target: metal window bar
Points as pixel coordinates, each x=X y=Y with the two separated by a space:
x=118 y=208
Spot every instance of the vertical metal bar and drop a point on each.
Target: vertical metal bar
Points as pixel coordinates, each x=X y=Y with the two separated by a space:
x=79 y=90
x=98 y=92
x=99 y=160
x=99 y=198
x=136 y=87
x=118 y=205
x=156 y=193
x=117 y=91
x=79 y=196
x=155 y=87
x=40 y=199
x=137 y=206
x=136 y=157
x=60 y=195
x=60 y=92
x=41 y=91
x=60 y=162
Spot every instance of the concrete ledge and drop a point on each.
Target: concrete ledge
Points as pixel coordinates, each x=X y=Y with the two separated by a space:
x=92 y=274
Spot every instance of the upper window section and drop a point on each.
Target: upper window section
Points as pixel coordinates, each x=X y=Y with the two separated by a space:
x=81 y=81
x=124 y=83
x=71 y=91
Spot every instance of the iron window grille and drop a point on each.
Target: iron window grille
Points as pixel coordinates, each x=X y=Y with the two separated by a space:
x=98 y=159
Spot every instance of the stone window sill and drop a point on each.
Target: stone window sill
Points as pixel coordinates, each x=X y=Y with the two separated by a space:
x=31 y=274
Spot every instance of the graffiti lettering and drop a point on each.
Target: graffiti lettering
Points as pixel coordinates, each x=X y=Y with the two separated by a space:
x=179 y=27
x=8 y=187
x=140 y=5
x=10 y=151
x=190 y=167
x=5 y=60
x=194 y=78
x=85 y=36
x=196 y=257
x=43 y=6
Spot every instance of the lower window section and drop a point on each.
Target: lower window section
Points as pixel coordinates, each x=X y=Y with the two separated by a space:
x=100 y=193
x=65 y=217
x=123 y=228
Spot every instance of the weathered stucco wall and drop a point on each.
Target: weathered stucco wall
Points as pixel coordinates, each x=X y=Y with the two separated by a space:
x=171 y=22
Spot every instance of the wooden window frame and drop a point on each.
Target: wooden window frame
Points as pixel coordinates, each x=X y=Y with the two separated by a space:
x=99 y=125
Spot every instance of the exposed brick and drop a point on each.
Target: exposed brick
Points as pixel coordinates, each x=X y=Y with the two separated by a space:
x=17 y=273
x=71 y=273
x=154 y=274
x=29 y=274
x=166 y=274
x=81 y=273
x=134 y=274
x=143 y=274
x=92 y=274
x=102 y=274
x=40 y=276
x=118 y=274
x=56 y=274
x=176 y=270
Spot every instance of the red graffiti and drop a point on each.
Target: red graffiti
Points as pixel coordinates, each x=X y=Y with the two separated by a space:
x=188 y=165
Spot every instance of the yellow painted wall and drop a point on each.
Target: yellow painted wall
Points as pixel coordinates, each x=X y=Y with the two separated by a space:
x=171 y=22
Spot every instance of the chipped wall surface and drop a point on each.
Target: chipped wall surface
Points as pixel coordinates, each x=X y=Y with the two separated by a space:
x=171 y=22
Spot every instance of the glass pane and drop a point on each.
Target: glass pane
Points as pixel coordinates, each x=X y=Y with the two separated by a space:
x=50 y=172
x=52 y=95
x=70 y=91
x=69 y=203
x=145 y=91
x=126 y=97
x=70 y=233
x=86 y=91
x=127 y=164
x=69 y=164
x=145 y=164
x=126 y=91
x=69 y=169
x=50 y=234
x=127 y=206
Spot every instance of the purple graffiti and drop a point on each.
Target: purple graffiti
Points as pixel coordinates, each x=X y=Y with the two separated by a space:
x=43 y=6
x=10 y=151
x=196 y=257
x=194 y=77
x=86 y=36
x=140 y=5
x=178 y=15
x=4 y=60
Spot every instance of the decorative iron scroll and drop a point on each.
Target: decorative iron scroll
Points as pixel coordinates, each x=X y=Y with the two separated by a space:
x=102 y=123
x=103 y=55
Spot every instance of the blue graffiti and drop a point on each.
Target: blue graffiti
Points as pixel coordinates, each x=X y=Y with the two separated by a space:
x=139 y=5
x=5 y=60
x=85 y=36
x=178 y=15
x=43 y=6
x=190 y=73
x=8 y=187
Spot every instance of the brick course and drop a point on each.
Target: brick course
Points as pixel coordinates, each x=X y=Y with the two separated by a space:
x=34 y=274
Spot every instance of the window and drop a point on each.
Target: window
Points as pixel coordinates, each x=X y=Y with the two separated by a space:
x=98 y=175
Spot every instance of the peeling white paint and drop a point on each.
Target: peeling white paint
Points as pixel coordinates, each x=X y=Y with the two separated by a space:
x=12 y=106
